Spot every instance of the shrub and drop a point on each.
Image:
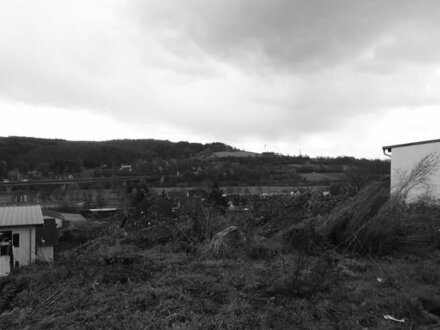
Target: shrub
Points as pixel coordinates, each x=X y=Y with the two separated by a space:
x=306 y=277
x=228 y=242
x=302 y=236
x=259 y=251
x=9 y=288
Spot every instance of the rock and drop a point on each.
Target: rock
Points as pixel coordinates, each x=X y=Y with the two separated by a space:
x=225 y=242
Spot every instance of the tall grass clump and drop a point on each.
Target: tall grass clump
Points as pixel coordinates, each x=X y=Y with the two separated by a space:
x=378 y=220
x=367 y=222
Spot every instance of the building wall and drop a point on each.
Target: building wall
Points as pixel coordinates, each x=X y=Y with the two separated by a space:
x=45 y=253
x=25 y=253
x=404 y=159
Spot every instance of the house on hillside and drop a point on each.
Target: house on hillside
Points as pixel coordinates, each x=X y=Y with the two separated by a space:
x=410 y=156
x=19 y=243
x=125 y=168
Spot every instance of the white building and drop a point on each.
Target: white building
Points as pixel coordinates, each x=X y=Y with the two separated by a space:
x=125 y=167
x=18 y=237
x=406 y=157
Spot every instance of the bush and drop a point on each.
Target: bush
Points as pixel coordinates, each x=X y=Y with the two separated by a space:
x=9 y=288
x=259 y=251
x=306 y=277
x=302 y=236
x=227 y=243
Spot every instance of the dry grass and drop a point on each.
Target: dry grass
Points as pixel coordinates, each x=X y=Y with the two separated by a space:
x=363 y=224
x=288 y=291
x=114 y=282
x=106 y=284
x=372 y=222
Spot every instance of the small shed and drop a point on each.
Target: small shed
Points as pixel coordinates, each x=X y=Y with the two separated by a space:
x=18 y=227
x=406 y=158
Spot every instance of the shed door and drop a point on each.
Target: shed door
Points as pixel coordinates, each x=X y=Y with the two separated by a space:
x=5 y=266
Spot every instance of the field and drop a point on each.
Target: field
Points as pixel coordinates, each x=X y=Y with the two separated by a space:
x=287 y=263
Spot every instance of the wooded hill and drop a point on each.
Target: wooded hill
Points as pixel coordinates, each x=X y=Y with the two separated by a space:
x=182 y=163
x=27 y=153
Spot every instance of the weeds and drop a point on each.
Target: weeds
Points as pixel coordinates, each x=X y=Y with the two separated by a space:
x=162 y=270
x=373 y=223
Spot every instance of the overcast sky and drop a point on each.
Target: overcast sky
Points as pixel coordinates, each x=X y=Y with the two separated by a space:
x=324 y=78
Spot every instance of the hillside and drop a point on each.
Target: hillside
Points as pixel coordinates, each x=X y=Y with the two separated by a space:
x=26 y=153
x=181 y=163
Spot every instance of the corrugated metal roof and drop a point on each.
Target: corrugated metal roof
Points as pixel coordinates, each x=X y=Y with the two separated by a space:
x=389 y=148
x=21 y=215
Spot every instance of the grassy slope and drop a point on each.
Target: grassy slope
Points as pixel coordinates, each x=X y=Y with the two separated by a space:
x=103 y=285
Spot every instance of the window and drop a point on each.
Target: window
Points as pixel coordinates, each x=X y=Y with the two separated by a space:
x=4 y=251
x=16 y=240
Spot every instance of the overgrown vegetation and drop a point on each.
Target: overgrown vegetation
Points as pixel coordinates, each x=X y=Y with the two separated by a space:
x=378 y=220
x=302 y=261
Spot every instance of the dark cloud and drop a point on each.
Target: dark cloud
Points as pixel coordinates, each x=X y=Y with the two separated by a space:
x=237 y=70
x=297 y=35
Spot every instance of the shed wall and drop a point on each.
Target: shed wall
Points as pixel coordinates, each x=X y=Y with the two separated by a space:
x=25 y=253
x=404 y=159
x=45 y=253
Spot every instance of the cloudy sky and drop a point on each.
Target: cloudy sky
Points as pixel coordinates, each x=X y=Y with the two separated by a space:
x=324 y=78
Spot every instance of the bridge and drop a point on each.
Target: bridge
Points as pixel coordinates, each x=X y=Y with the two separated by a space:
x=63 y=182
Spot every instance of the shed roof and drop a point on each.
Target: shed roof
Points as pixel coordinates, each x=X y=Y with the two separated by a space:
x=107 y=209
x=73 y=217
x=389 y=148
x=21 y=215
x=52 y=213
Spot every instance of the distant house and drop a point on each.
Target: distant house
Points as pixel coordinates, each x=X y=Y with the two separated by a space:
x=67 y=222
x=125 y=168
x=55 y=216
x=19 y=243
x=405 y=157
x=34 y=174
